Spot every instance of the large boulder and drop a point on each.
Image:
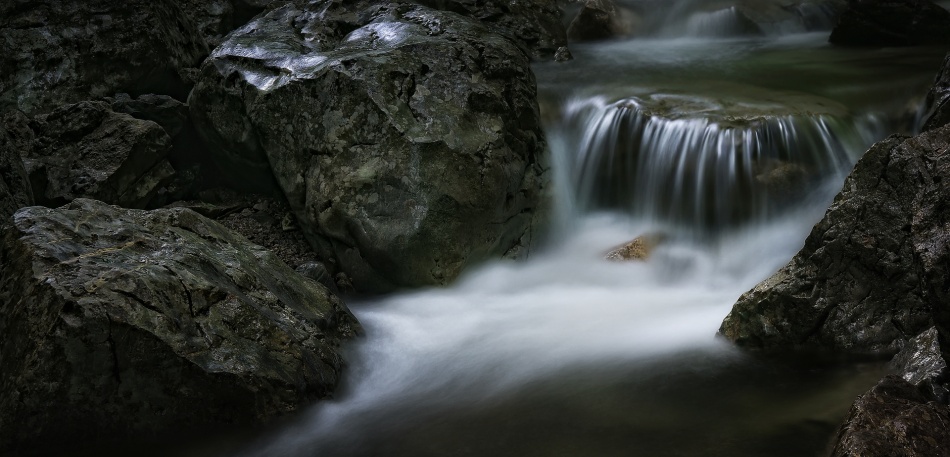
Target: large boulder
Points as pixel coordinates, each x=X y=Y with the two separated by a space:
x=906 y=414
x=407 y=140
x=597 y=20
x=892 y=23
x=125 y=324
x=938 y=99
x=86 y=150
x=15 y=190
x=534 y=25
x=54 y=52
x=874 y=271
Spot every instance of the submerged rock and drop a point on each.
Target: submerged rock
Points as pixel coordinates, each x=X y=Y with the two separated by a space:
x=639 y=249
x=54 y=52
x=86 y=150
x=407 y=140
x=938 y=99
x=873 y=271
x=892 y=23
x=122 y=324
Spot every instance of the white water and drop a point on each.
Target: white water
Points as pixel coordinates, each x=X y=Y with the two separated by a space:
x=440 y=355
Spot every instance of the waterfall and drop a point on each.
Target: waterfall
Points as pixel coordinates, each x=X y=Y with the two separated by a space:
x=705 y=171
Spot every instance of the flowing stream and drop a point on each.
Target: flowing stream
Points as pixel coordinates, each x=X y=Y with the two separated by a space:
x=728 y=141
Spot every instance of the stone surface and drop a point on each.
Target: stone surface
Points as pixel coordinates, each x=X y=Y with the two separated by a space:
x=534 y=25
x=923 y=363
x=407 y=140
x=894 y=419
x=639 y=249
x=54 y=52
x=892 y=23
x=15 y=190
x=216 y=18
x=874 y=271
x=87 y=150
x=597 y=20
x=118 y=324
x=938 y=99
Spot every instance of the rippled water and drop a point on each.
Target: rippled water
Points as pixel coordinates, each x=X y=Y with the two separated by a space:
x=568 y=355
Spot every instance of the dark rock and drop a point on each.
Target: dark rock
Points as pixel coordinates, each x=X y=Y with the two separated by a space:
x=407 y=140
x=54 y=52
x=319 y=273
x=15 y=190
x=598 y=20
x=87 y=150
x=168 y=113
x=892 y=23
x=938 y=99
x=534 y=25
x=894 y=419
x=216 y=18
x=118 y=324
x=923 y=363
x=874 y=271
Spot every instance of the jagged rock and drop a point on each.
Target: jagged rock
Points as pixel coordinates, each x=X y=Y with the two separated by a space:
x=170 y=114
x=15 y=190
x=597 y=20
x=873 y=271
x=639 y=249
x=54 y=52
x=119 y=324
x=407 y=140
x=938 y=99
x=892 y=23
x=923 y=363
x=534 y=25
x=87 y=150
x=216 y=18
x=894 y=419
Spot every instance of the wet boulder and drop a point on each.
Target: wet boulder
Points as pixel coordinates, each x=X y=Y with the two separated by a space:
x=86 y=150
x=406 y=140
x=54 y=52
x=641 y=248
x=938 y=99
x=597 y=20
x=873 y=272
x=892 y=23
x=121 y=324
x=905 y=414
x=534 y=25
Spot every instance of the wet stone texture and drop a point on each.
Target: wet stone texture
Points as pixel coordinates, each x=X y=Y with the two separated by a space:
x=874 y=271
x=54 y=52
x=938 y=99
x=15 y=190
x=124 y=324
x=406 y=140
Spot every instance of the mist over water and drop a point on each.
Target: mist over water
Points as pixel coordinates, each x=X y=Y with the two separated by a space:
x=568 y=354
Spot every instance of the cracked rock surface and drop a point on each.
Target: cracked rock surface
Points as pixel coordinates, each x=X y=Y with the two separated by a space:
x=126 y=323
x=432 y=165
x=874 y=271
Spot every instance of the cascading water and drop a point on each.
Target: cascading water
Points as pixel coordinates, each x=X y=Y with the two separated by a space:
x=567 y=354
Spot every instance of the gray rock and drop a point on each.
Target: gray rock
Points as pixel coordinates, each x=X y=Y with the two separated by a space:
x=407 y=140
x=892 y=23
x=923 y=363
x=87 y=150
x=54 y=52
x=15 y=190
x=216 y=18
x=597 y=20
x=118 y=324
x=170 y=114
x=873 y=271
x=894 y=419
x=534 y=25
x=938 y=99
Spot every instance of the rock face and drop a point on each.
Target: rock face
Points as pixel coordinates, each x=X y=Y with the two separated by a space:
x=534 y=25
x=596 y=20
x=216 y=18
x=15 y=191
x=892 y=23
x=938 y=99
x=905 y=414
x=400 y=163
x=54 y=52
x=87 y=150
x=125 y=323
x=874 y=271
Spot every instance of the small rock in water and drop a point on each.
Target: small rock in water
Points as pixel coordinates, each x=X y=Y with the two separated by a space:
x=639 y=249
